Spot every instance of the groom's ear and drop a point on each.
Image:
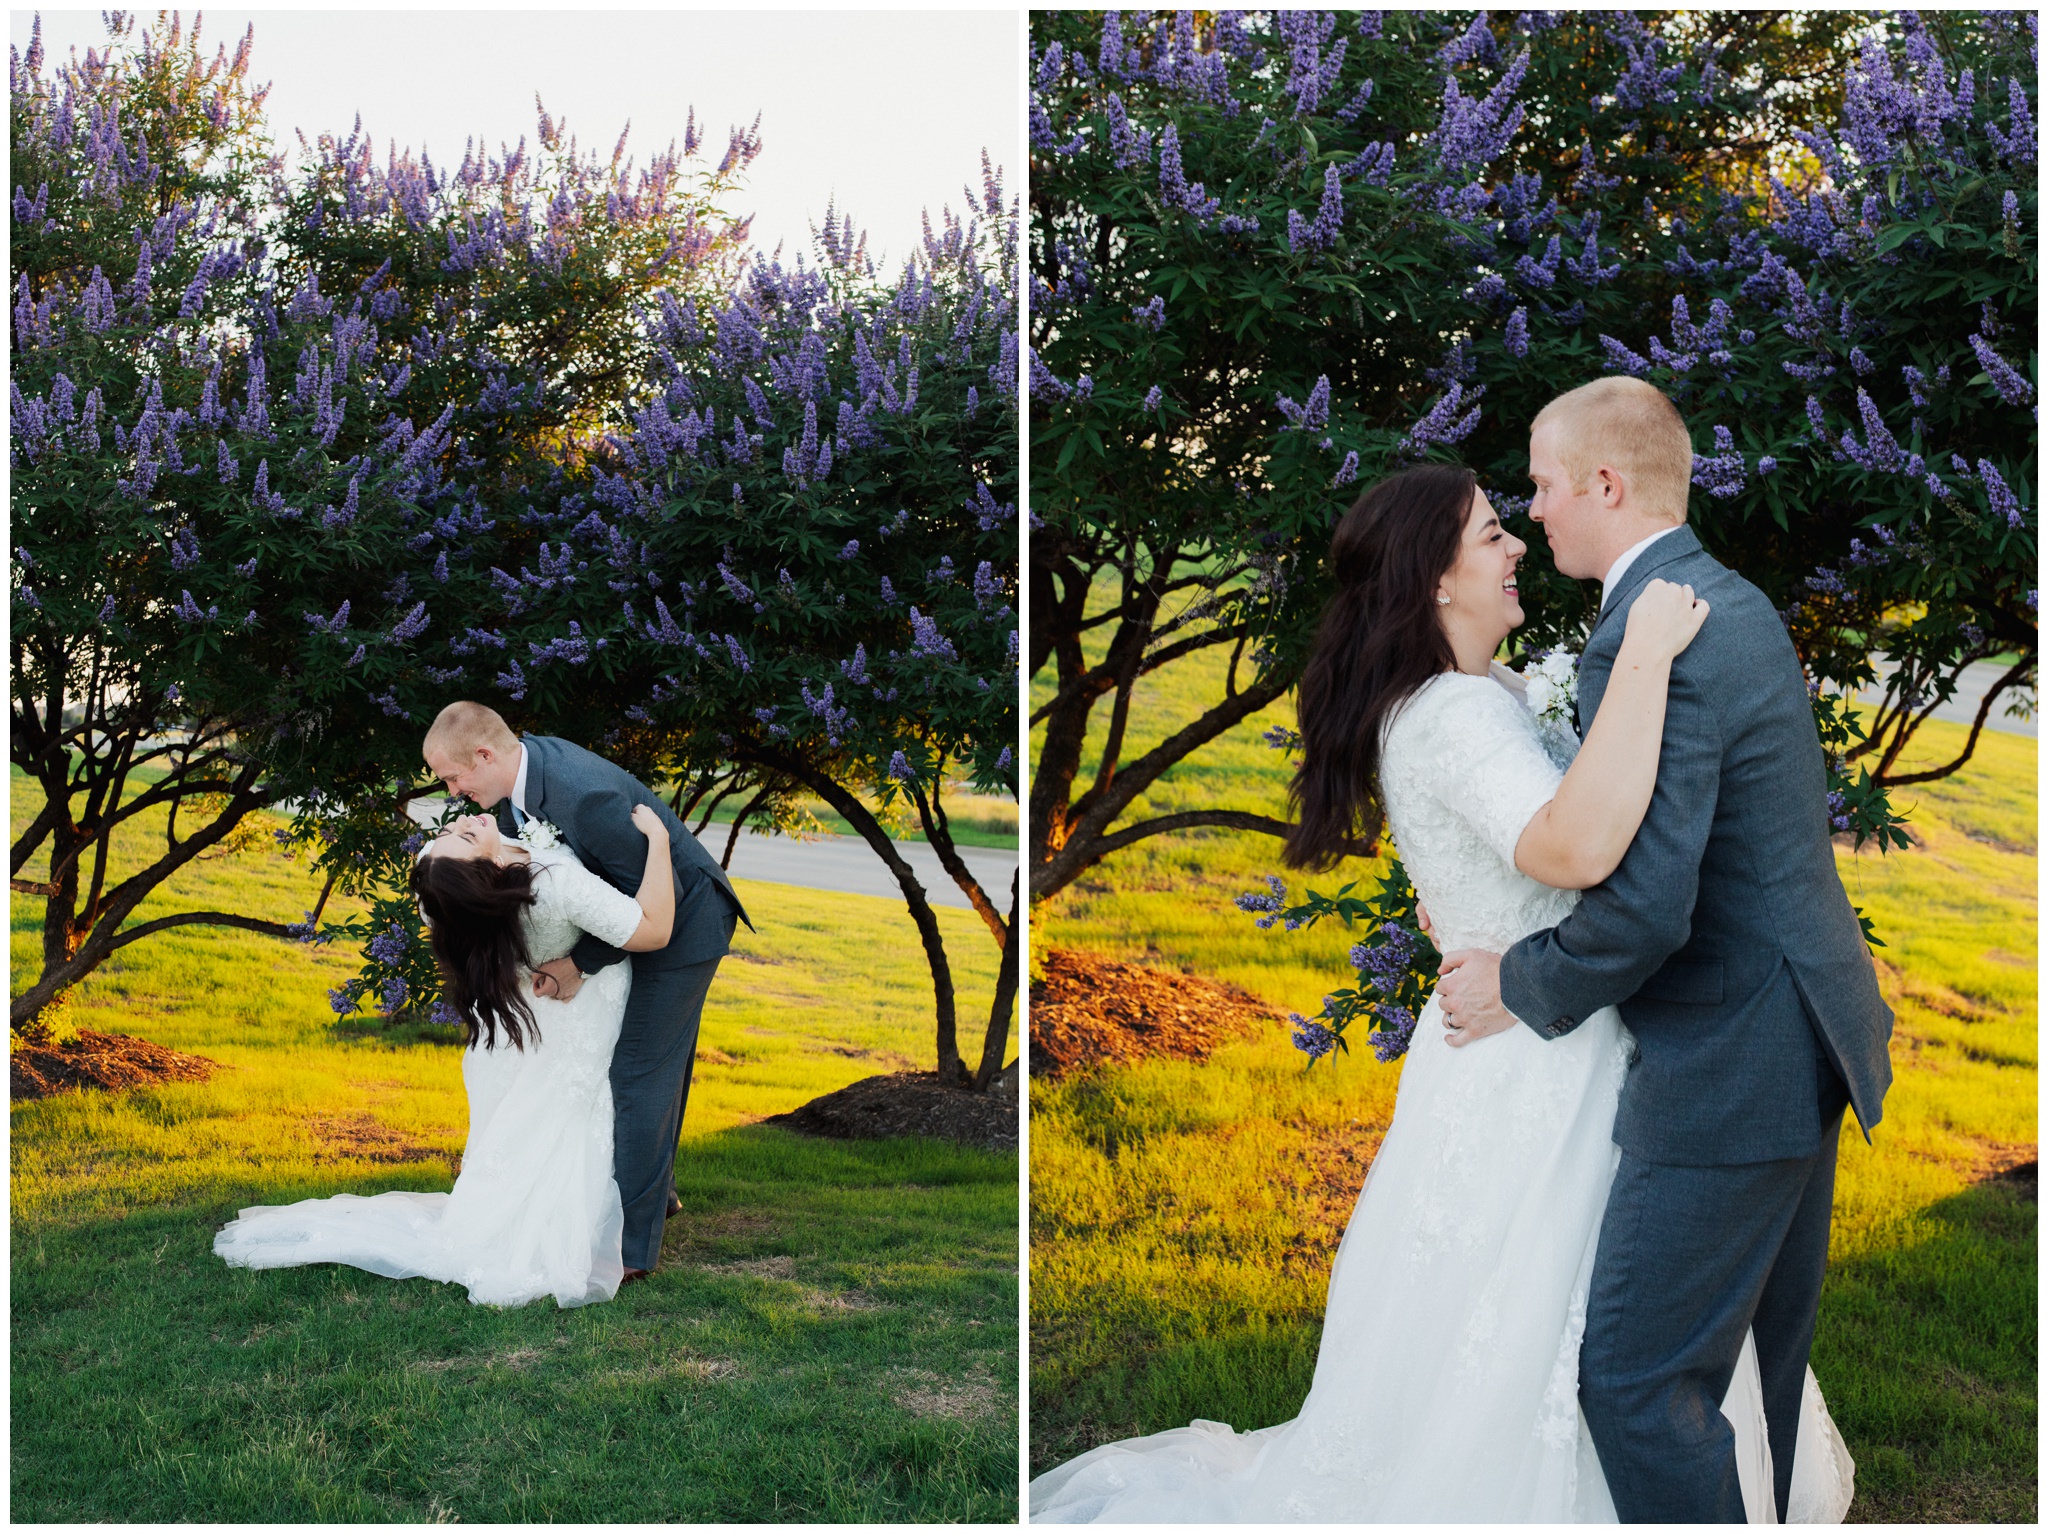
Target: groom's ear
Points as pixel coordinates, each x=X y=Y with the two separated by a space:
x=1613 y=487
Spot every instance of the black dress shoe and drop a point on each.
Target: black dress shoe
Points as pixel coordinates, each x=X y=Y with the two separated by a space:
x=631 y=1275
x=675 y=1206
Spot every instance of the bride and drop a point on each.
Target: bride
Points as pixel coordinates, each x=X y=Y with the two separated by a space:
x=535 y=1211
x=1446 y=1385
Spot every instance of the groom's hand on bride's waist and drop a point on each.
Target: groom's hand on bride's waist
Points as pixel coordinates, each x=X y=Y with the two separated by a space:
x=558 y=978
x=1468 y=996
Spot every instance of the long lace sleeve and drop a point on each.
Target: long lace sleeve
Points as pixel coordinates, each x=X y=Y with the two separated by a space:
x=1487 y=765
x=593 y=905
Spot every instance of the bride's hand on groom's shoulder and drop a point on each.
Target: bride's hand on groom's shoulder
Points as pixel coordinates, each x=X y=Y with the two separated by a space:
x=1663 y=620
x=649 y=823
x=1468 y=997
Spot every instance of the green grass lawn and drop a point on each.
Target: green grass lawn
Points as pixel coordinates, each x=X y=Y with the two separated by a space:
x=832 y=1333
x=1184 y=1216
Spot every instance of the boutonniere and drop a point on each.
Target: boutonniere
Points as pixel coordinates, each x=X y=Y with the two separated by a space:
x=540 y=835
x=1553 y=686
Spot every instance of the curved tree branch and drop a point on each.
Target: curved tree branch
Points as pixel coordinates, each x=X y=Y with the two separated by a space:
x=1234 y=820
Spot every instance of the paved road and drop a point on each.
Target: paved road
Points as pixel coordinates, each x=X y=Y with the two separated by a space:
x=848 y=864
x=843 y=863
x=1962 y=709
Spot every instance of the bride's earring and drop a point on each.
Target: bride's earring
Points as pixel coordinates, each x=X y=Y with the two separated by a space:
x=1442 y=600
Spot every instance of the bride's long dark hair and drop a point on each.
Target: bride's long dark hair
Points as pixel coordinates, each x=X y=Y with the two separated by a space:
x=472 y=907
x=1379 y=640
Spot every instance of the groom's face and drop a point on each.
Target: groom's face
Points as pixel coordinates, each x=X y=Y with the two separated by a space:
x=1575 y=521
x=483 y=778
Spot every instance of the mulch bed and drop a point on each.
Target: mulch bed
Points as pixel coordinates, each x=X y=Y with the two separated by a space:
x=111 y=1062
x=909 y=1103
x=1089 y=1010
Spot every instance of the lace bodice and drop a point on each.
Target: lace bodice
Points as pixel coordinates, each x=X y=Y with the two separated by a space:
x=569 y=900
x=1464 y=767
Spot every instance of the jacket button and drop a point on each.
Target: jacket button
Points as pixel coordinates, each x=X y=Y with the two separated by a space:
x=1562 y=1026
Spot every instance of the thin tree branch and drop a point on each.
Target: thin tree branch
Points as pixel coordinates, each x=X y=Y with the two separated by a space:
x=733 y=840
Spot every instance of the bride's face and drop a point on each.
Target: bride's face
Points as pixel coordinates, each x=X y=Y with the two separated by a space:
x=470 y=836
x=1481 y=585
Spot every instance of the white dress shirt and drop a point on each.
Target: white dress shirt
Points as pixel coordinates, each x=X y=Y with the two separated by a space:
x=1608 y=581
x=518 y=794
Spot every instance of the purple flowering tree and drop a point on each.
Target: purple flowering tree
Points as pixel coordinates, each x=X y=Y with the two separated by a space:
x=794 y=571
x=1278 y=255
x=173 y=507
x=242 y=522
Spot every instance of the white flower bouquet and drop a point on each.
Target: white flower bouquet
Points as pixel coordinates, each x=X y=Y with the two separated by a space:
x=1553 y=687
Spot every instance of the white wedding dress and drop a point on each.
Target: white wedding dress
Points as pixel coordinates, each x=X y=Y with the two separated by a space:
x=1446 y=1388
x=535 y=1211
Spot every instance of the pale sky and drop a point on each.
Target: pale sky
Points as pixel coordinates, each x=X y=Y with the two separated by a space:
x=885 y=111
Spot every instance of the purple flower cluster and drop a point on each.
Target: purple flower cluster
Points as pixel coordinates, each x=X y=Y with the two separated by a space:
x=2003 y=502
x=1390 y=1040
x=1442 y=424
x=1329 y=220
x=1385 y=961
x=2011 y=387
x=1879 y=450
x=927 y=640
x=1312 y=74
x=1175 y=190
x=1314 y=415
x=1516 y=336
x=389 y=946
x=1268 y=905
x=1311 y=1037
x=1472 y=132
x=1723 y=472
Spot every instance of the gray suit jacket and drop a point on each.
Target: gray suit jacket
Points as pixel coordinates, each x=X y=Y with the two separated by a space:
x=590 y=802
x=1725 y=936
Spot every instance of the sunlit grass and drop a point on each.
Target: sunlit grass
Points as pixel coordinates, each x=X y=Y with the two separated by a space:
x=832 y=1333
x=1182 y=1214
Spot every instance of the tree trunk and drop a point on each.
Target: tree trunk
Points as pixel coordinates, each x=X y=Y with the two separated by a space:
x=997 y=1043
x=1069 y=832
x=76 y=943
x=938 y=834
x=952 y=1071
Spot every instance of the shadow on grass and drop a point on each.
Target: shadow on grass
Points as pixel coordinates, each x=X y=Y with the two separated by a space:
x=1926 y=1352
x=395 y=1032
x=831 y=1336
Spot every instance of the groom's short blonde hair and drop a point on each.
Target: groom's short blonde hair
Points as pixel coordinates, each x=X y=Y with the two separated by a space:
x=461 y=727
x=1630 y=426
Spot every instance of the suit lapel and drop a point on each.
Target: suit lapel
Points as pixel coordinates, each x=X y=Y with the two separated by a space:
x=536 y=777
x=1593 y=683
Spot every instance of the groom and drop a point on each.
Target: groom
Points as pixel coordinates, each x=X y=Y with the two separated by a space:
x=590 y=802
x=1729 y=945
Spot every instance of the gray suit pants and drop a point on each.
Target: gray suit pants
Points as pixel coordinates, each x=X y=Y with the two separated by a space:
x=1691 y=1258
x=650 y=1084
